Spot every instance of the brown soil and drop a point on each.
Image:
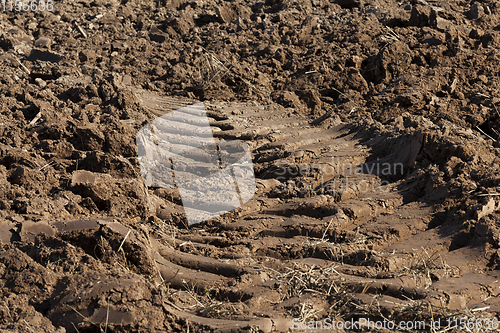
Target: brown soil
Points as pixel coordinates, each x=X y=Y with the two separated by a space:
x=327 y=94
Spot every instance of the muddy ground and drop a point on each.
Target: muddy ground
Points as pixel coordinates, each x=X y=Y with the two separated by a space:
x=373 y=126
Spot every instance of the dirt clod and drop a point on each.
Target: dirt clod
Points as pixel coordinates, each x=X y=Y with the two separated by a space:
x=373 y=128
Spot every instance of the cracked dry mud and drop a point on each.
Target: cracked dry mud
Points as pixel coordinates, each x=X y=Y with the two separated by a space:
x=373 y=128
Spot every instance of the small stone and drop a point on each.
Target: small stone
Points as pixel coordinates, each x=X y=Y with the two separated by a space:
x=32 y=26
x=142 y=34
x=41 y=83
x=43 y=42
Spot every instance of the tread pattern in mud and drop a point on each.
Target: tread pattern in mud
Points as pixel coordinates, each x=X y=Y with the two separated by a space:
x=329 y=232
